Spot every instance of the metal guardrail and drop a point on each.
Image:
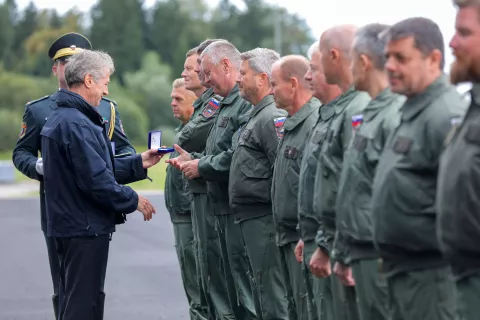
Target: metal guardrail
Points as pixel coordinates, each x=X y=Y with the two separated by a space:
x=7 y=172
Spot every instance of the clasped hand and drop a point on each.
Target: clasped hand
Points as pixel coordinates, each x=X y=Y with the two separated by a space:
x=185 y=163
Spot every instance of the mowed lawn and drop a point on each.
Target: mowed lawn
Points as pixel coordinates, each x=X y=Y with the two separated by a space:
x=157 y=173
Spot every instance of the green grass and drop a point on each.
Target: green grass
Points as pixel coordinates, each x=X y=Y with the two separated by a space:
x=157 y=173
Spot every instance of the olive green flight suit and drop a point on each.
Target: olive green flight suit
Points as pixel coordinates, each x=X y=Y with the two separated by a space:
x=354 y=214
x=403 y=206
x=207 y=252
x=318 y=289
x=178 y=204
x=214 y=167
x=255 y=150
x=297 y=129
x=458 y=203
x=333 y=146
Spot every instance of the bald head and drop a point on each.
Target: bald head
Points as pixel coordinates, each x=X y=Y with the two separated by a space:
x=339 y=37
x=294 y=66
x=335 y=46
x=290 y=89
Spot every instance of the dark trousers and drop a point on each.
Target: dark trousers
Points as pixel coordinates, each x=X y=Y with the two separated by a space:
x=83 y=265
x=55 y=273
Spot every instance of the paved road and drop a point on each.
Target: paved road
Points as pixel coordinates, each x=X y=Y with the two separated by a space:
x=143 y=279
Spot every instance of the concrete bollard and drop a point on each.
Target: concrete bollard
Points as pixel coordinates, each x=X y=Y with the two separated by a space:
x=7 y=172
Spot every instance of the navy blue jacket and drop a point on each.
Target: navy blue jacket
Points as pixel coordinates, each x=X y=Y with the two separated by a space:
x=81 y=175
x=25 y=154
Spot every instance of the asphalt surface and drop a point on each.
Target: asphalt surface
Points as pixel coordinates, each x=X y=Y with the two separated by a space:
x=143 y=278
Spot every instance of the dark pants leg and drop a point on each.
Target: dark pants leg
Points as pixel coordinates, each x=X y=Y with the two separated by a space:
x=267 y=279
x=55 y=273
x=212 y=268
x=294 y=281
x=83 y=262
x=422 y=295
x=236 y=267
x=186 y=257
x=319 y=290
x=371 y=288
x=468 y=299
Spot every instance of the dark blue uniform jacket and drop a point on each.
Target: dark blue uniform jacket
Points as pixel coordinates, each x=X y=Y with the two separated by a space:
x=81 y=176
x=25 y=154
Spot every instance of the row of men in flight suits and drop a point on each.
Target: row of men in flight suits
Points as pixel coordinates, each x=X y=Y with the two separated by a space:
x=277 y=191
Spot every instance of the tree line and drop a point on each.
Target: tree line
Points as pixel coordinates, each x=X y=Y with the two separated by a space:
x=148 y=46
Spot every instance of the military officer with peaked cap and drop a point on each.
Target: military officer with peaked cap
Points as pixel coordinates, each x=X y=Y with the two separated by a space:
x=25 y=154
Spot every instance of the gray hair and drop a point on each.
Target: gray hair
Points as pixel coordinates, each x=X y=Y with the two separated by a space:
x=86 y=62
x=219 y=50
x=370 y=40
x=202 y=46
x=311 y=50
x=261 y=60
x=425 y=32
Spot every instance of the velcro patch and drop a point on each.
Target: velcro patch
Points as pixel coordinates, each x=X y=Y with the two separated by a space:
x=279 y=123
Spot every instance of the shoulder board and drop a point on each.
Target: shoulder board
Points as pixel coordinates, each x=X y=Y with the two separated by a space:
x=109 y=100
x=37 y=100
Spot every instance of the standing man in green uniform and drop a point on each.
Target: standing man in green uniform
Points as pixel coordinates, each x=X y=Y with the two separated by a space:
x=319 y=289
x=255 y=149
x=403 y=203
x=292 y=94
x=335 y=48
x=458 y=196
x=221 y=63
x=25 y=155
x=354 y=214
x=207 y=252
x=178 y=204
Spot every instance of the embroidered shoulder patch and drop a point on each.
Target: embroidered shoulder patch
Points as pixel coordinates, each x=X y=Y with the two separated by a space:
x=279 y=122
x=356 y=122
x=212 y=106
x=23 y=130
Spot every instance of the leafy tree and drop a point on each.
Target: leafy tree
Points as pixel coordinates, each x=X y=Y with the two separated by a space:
x=151 y=87
x=117 y=29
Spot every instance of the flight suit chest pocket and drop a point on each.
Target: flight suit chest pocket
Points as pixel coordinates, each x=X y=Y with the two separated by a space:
x=402 y=145
x=360 y=143
x=472 y=135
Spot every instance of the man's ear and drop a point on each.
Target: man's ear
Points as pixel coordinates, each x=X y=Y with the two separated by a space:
x=334 y=54
x=54 y=69
x=88 y=80
x=294 y=84
x=225 y=65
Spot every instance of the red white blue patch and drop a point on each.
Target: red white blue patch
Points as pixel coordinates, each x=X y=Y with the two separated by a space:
x=212 y=107
x=356 y=122
x=279 y=122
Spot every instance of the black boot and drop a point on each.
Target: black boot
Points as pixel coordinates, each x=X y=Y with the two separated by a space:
x=100 y=306
x=56 y=302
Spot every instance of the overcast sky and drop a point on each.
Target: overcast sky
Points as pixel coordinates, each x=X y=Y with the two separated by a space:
x=321 y=16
